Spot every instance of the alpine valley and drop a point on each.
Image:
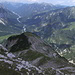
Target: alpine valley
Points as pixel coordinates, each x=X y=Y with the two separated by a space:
x=37 y=39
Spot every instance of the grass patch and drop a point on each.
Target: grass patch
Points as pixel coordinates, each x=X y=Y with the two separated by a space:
x=72 y=26
x=44 y=60
x=2 y=38
x=4 y=70
x=31 y=55
x=31 y=34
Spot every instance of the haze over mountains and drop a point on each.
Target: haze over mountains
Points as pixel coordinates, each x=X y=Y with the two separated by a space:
x=55 y=24
x=20 y=12
x=30 y=9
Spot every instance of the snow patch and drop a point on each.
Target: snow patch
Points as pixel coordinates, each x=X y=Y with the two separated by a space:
x=8 y=61
x=19 y=66
x=2 y=56
x=10 y=55
x=2 y=22
x=71 y=61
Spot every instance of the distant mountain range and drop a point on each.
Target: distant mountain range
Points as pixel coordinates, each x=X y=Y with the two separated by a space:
x=26 y=53
x=58 y=27
x=27 y=10
x=10 y=15
x=53 y=23
x=12 y=6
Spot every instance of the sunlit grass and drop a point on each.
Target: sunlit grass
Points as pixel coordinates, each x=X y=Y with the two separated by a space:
x=5 y=37
x=72 y=26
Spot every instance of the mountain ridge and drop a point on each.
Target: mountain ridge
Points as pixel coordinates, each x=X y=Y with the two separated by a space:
x=9 y=23
x=58 y=27
x=42 y=56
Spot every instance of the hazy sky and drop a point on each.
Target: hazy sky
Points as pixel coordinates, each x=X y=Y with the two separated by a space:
x=63 y=2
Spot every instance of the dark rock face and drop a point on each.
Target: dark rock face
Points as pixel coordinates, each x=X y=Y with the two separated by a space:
x=18 y=43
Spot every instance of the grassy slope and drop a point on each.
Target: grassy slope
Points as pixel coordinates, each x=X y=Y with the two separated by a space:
x=2 y=38
x=65 y=36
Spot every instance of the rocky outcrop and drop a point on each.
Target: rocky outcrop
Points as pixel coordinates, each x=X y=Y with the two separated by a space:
x=2 y=48
x=17 y=43
x=28 y=55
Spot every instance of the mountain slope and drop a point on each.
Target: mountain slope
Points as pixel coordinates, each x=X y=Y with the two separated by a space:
x=28 y=54
x=27 y=10
x=30 y=9
x=12 y=6
x=54 y=22
x=9 y=22
x=56 y=27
